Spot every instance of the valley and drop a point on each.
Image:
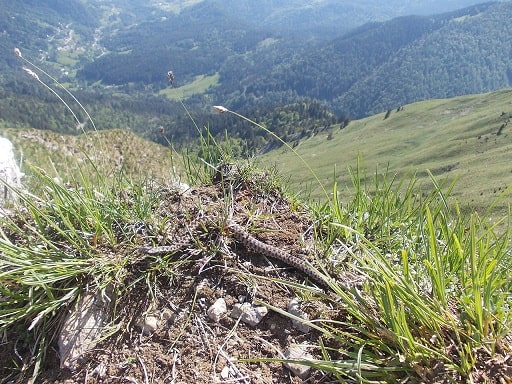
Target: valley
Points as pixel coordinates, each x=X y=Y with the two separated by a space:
x=317 y=95
x=318 y=193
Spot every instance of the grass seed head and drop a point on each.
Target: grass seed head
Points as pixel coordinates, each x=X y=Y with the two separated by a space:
x=220 y=108
x=31 y=73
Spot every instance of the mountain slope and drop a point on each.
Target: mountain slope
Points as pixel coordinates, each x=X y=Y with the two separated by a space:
x=468 y=138
x=322 y=19
x=257 y=71
x=384 y=65
x=112 y=151
x=40 y=26
x=373 y=68
x=469 y=54
x=191 y=44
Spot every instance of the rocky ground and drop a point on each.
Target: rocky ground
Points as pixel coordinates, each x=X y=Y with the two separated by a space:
x=192 y=304
x=168 y=330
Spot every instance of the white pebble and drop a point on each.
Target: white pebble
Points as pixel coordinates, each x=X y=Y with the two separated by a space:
x=149 y=325
x=249 y=313
x=294 y=309
x=298 y=352
x=217 y=310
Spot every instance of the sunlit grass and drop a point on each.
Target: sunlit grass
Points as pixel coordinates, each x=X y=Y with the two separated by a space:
x=198 y=86
x=64 y=156
x=435 y=288
x=455 y=139
x=431 y=290
x=66 y=241
x=421 y=287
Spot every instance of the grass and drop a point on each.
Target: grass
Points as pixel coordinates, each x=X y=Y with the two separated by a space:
x=67 y=59
x=65 y=156
x=434 y=284
x=454 y=139
x=198 y=86
x=422 y=288
x=436 y=288
x=58 y=249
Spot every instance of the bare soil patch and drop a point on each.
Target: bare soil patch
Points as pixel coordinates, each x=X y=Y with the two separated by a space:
x=187 y=346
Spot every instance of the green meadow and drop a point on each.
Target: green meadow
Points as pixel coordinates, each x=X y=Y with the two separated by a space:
x=198 y=86
x=465 y=139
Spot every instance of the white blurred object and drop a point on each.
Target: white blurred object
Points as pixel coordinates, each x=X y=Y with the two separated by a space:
x=10 y=174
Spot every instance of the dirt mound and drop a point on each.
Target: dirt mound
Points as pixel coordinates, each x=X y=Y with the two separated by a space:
x=161 y=331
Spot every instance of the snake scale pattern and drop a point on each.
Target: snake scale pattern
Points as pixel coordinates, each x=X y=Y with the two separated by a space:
x=240 y=234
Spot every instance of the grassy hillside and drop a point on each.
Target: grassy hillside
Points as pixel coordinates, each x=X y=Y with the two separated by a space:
x=198 y=86
x=454 y=138
x=387 y=288
x=404 y=289
x=466 y=139
x=112 y=151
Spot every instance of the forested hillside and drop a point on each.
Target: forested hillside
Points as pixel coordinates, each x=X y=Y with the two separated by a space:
x=115 y=56
x=321 y=19
x=373 y=68
x=383 y=65
x=467 y=54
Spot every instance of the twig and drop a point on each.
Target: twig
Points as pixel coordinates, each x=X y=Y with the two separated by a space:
x=146 y=381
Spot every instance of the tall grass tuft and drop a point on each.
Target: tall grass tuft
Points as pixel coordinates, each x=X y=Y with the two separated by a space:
x=435 y=284
x=69 y=240
x=222 y=109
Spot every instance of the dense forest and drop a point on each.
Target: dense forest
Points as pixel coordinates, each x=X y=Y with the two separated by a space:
x=116 y=63
x=373 y=68
x=27 y=104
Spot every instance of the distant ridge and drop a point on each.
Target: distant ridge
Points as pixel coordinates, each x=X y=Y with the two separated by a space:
x=373 y=68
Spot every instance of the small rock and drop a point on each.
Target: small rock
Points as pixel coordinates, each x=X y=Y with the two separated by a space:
x=168 y=316
x=294 y=309
x=298 y=352
x=248 y=313
x=224 y=374
x=148 y=325
x=82 y=328
x=217 y=310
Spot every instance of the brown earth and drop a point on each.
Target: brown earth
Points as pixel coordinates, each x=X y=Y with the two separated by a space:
x=207 y=264
x=187 y=346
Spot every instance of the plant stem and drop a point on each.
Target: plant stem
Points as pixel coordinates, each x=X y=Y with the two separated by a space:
x=287 y=146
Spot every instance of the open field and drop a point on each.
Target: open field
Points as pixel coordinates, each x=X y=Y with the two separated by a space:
x=199 y=85
x=457 y=138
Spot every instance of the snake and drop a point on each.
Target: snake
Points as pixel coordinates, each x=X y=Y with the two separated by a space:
x=240 y=234
x=299 y=263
